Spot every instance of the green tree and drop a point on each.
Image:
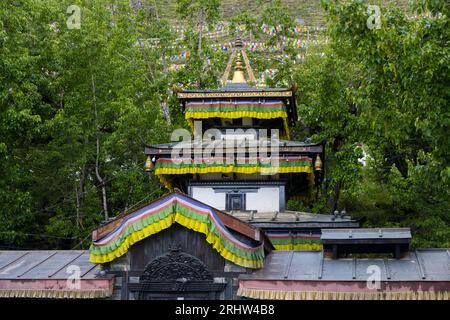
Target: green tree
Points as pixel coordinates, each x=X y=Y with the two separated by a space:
x=75 y=113
x=402 y=94
x=199 y=14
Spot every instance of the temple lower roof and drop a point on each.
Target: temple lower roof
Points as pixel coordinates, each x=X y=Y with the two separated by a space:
x=48 y=274
x=308 y=275
x=294 y=219
x=418 y=265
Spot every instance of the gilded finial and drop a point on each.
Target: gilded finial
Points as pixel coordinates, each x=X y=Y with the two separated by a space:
x=318 y=164
x=238 y=76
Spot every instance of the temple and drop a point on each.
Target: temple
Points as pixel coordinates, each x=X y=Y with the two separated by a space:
x=223 y=230
x=241 y=159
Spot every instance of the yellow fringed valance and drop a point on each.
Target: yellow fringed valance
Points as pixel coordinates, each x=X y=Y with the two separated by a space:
x=55 y=294
x=234 y=169
x=326 y=295
x=299 y=246
x=191 y=116
x=163 y=172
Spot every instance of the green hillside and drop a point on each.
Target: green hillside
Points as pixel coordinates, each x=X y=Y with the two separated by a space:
x=308 y=11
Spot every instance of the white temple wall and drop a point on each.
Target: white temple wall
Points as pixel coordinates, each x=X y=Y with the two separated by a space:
x=265 y=200
x=208 y=196
x=261 y=199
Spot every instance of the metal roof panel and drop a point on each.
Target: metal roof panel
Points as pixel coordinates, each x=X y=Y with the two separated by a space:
x=306 y=265
x=366 y=233
x=50 y=264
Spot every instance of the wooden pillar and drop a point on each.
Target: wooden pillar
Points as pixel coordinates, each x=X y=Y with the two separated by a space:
x=335 y=251
x=124 y=292
x=397 y=251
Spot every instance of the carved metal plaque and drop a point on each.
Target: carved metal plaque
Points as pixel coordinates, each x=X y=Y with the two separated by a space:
x=175 y=266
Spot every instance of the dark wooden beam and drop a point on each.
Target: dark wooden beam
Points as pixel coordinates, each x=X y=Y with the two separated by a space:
x=301 y=150
x=238 y=226
x=102 y=231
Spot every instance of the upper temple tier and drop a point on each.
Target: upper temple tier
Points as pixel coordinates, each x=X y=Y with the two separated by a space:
x=238 y=105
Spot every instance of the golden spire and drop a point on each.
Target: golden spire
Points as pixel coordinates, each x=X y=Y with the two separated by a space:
x=238 y=76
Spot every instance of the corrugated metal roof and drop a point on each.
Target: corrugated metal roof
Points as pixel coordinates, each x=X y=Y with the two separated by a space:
x=419 y=265
x=366 y=233
x=45 y=264
x=290 y=216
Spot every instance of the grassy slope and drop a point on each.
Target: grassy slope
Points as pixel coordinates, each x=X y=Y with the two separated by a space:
x=310 y=11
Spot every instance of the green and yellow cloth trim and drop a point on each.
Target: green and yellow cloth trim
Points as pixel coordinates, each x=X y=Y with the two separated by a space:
x=286 y=241
x=234 y=109
x=161 y=215
x=165 y=167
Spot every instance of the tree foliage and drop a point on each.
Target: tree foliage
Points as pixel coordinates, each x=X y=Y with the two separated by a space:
x=384 y=92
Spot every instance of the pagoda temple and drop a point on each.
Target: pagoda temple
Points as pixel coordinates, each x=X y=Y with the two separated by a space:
x=223 y=230
x=251 y=168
